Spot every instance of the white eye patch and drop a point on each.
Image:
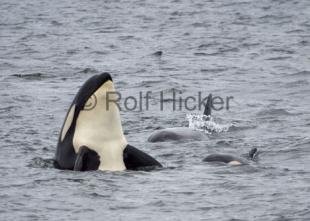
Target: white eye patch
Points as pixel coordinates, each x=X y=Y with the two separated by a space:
x=68 y=122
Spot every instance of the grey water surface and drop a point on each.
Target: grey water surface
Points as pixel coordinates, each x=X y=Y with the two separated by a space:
x=256 y=51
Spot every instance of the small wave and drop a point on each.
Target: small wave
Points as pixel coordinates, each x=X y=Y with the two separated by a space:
x=39 y=162
x=149 y=83
x=297 y=83
x=301 y=73
x=249 y=45
x=56 y=23
x=97 y=195
x=200 y=25
x=126 y=37
x=214 y=70
x=236 y=127
x=274 y=17
x=231 y=4
x=88 y=70
x=204 y=54
x=72 y=51
x=224 y=143
x=228 y=49
x=278 y=58
x=206 y=124
x=33 y=76
x=274 y=112
x=283 y=51
x=100 y=52
x=7 y=109
x=303 y=43
x=208 y=45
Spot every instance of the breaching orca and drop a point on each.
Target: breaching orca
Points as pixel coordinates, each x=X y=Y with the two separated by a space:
x=181 y=133
x=230 y=159
x=92 y=137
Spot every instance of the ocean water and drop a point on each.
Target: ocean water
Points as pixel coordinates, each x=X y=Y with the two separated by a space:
x=257 y=52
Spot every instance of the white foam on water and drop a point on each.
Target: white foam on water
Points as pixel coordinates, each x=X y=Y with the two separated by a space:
x=206 y=124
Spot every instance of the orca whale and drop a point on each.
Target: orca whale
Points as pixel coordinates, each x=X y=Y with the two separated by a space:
x=230 y=159
x=92 y=137
x=182 y=133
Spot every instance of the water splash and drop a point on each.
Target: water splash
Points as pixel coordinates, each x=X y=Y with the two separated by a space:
x=39 y=162
x=206 y=124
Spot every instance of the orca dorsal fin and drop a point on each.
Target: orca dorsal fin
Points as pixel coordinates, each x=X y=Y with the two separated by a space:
x=253 y=153
x=208 y=107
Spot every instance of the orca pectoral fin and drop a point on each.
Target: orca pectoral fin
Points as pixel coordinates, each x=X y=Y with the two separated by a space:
x=135 y=159
x=86 y=159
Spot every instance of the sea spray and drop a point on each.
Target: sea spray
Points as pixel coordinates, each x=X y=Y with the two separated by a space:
x=206 y=124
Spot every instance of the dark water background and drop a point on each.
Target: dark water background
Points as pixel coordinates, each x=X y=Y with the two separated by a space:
x=256 y=51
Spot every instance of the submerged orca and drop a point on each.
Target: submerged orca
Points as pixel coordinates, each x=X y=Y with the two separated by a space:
x=92 y=137
x=181 y=133
x=230 y=159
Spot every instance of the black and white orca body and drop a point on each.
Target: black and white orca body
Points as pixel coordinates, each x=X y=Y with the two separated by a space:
x=181 y=133
x=92 y=136
x=230 y=159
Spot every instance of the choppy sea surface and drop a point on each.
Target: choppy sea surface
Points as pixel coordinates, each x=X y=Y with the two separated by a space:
x=256 y=51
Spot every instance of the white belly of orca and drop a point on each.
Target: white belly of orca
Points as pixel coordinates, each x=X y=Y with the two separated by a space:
x=234 y=163
x=111 y=158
